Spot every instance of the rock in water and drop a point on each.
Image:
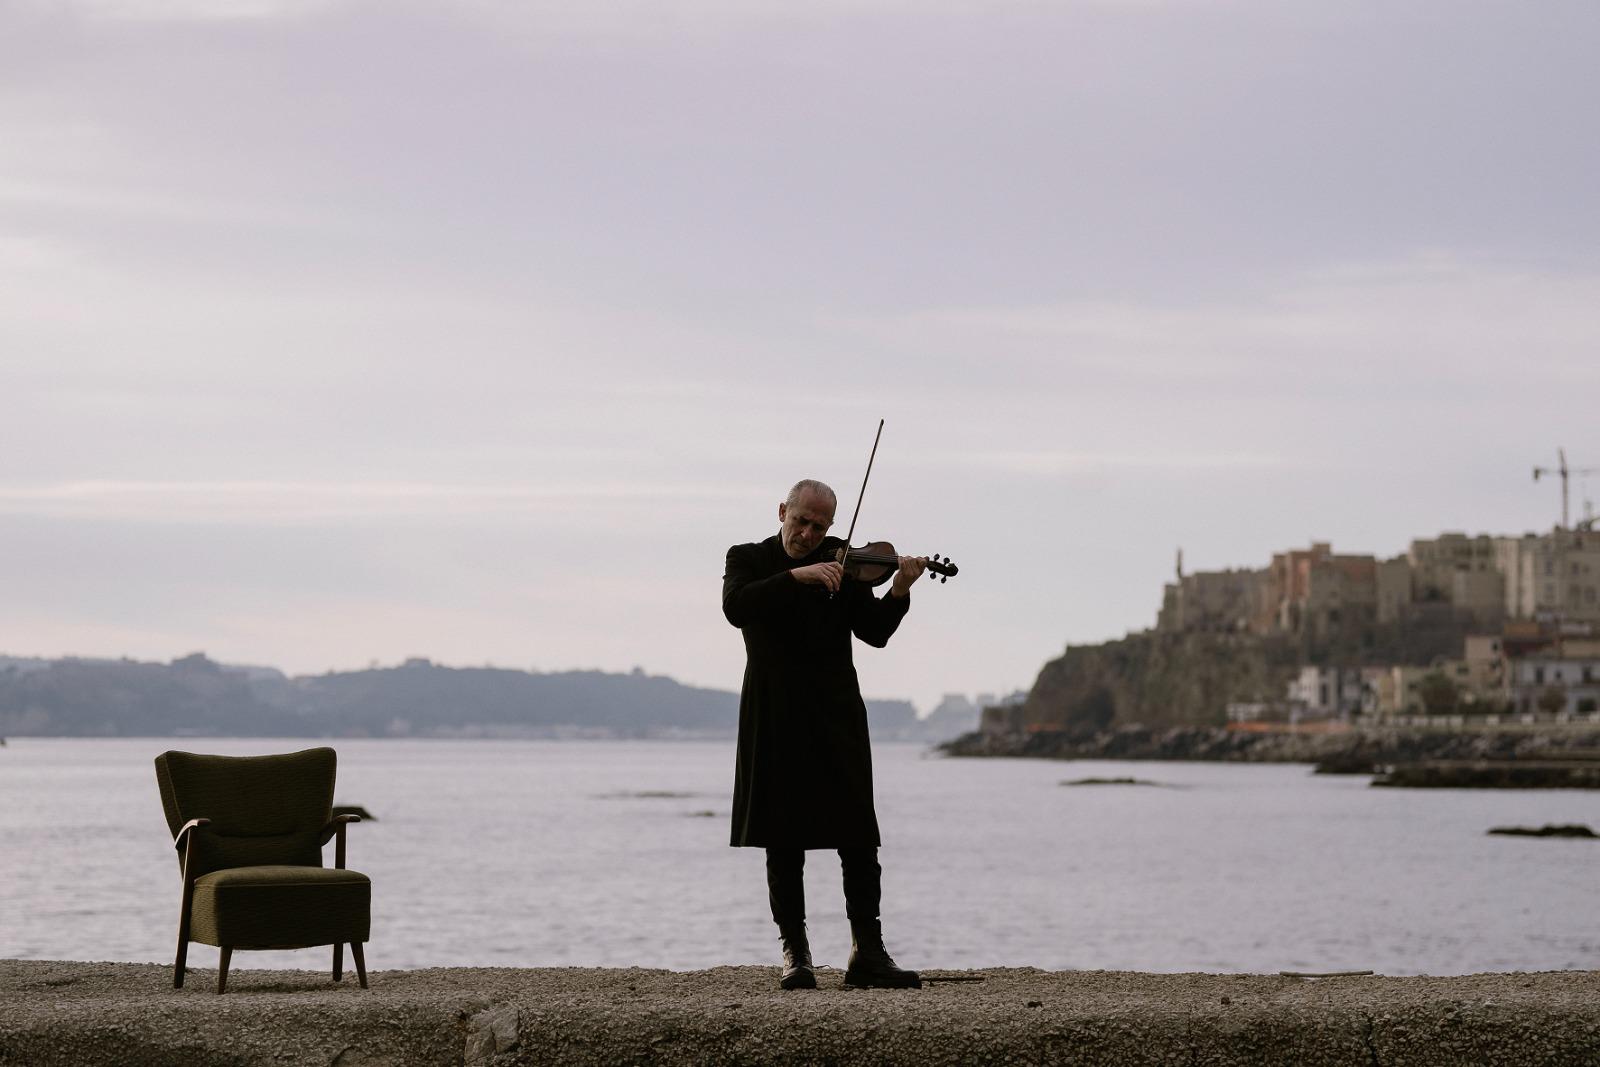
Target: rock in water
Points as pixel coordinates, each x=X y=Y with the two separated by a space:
x=1548 y=830
x=1110 y=781
x=1347 y=763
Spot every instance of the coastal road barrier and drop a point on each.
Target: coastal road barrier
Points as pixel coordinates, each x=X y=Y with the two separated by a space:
x=86 y=1014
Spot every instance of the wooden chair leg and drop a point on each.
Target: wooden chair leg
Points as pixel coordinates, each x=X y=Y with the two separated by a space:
x=180 y=965
x=222 y=969
x=361 y=962
x=338 y=961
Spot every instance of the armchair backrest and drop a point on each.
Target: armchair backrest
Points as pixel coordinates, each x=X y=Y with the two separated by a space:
x=263 y=809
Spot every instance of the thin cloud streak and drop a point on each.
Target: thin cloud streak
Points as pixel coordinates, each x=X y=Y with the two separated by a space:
x=37 y=199
x=1415 y=319
x=155 y=11
x=1044 y=464
x=266 y=501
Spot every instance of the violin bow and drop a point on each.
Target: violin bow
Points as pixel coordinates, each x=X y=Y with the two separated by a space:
x=860 y=496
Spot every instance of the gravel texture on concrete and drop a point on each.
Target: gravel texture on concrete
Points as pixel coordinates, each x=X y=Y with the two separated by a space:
x=125 y=1013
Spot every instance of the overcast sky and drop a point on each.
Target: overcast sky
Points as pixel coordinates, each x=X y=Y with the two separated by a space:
x=337 y=332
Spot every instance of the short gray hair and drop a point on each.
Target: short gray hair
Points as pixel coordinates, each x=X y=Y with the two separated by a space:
x=810 y=485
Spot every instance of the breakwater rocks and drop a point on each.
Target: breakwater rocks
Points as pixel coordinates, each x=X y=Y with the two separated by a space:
x=106 y=1013
x=1152 y=743
x=1491 y=774
x=1356 y=751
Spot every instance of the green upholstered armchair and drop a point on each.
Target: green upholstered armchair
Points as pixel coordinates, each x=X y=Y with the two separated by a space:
x=249 y=831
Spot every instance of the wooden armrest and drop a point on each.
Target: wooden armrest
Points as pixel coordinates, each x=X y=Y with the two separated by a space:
x=336 y=824
x=183 y=834
x=184 y=843
x=336 y=828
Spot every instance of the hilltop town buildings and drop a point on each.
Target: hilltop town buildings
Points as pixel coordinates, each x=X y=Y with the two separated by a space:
x=1527 y=610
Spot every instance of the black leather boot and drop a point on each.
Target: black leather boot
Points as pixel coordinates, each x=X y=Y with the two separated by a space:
x=786 y=891
x=797 y=972
x=871 y=966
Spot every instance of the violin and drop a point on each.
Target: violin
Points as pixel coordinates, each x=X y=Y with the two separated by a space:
x=875 y=563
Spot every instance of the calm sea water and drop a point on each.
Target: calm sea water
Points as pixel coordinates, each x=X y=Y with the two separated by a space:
x=511 y=853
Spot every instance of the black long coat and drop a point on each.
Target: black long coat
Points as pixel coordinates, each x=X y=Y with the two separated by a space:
x=804 y=772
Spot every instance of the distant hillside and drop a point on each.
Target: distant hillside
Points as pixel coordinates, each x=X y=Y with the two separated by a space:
x=195 y=696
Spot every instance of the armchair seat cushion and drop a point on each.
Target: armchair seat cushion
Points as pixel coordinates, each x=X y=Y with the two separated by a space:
x=262 y=907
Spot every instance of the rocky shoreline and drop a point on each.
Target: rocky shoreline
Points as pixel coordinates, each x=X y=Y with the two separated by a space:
x=120 y=1013
x=1356 y=751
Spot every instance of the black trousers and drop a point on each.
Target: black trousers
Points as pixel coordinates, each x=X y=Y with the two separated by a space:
x=786 y=887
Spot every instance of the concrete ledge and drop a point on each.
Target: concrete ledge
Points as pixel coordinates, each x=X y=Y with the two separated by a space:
x=121 y=1013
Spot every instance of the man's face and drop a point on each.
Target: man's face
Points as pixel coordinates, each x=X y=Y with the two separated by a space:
x=804 y=524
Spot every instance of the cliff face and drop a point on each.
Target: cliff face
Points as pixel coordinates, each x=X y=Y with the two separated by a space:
x=1159 y=679
x=1188 y=678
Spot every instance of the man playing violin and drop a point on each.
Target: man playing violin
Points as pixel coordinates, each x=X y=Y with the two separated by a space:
x=803 y=778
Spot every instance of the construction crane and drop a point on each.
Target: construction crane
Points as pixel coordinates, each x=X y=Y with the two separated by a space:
x=1564 y=471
